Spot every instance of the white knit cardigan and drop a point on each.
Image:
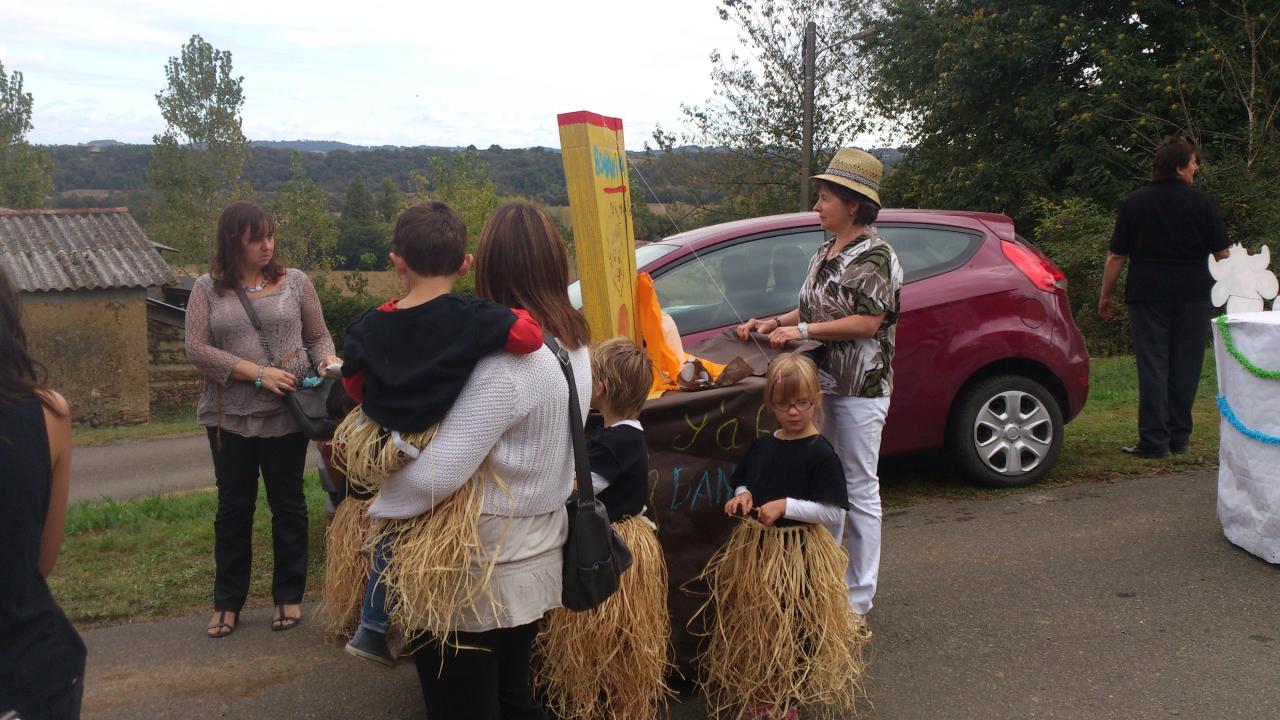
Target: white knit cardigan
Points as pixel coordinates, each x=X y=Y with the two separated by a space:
x=515 y=410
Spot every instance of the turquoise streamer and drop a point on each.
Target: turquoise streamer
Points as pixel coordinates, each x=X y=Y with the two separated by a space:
x=1230 y=416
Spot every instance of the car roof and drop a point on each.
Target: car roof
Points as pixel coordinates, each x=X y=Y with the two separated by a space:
x=1000 y=225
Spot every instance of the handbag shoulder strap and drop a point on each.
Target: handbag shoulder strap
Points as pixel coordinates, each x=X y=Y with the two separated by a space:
x=257 y=324
x=582 y=466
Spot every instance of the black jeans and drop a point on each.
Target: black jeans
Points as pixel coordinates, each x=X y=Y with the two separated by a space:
x=486 y=679
x=62 y=705
x=1169 y=341
x=280 y=461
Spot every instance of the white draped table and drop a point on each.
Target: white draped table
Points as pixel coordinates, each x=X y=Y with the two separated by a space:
x=1249 y=449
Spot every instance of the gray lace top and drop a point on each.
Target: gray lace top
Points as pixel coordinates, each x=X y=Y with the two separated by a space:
x=219 y=334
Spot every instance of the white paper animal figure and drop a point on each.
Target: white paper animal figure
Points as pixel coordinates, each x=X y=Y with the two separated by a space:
x=1243 y=280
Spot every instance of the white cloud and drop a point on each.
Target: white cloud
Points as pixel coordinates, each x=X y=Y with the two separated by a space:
x=451 y=73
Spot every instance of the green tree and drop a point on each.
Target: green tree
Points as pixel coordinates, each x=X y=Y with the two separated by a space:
x=362 y=241
x=306 y=234
x=197 y=161
x=390 y=201
x=755 y=115
x=462 y=181
x=1004 y=102
x=26 y=172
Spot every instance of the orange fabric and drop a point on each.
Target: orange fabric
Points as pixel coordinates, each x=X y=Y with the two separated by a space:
x=666 y=362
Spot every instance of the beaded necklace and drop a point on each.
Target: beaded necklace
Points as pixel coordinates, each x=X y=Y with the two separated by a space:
x=256 y=288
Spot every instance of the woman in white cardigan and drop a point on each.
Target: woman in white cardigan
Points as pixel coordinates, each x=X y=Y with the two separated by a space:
x=514 y=411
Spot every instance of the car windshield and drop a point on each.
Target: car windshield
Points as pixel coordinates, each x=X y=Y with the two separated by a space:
x=645 y=254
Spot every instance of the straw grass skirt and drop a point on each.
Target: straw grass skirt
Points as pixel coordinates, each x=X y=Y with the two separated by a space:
x=346 y=567
x=368 y=453
x=437 y=566
x=780 y=632
x=612 y=661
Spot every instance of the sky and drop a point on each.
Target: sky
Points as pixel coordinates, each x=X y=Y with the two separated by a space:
x=455 y=73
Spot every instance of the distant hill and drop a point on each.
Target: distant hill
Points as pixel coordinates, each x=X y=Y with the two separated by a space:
x=533 y=173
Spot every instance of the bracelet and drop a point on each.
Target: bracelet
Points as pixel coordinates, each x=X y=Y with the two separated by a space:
x=777 y=319
x=804 y=330
x=258 y=382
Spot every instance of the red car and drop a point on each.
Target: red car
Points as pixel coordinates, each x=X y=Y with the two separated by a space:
x=989 y=363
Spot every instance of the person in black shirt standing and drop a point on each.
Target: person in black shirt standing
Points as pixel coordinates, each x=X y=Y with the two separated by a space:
x=1166 y=229
x=41 y=655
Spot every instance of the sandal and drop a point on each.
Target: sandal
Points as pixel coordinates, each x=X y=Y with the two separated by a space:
x=283 y=622
x=222 y=628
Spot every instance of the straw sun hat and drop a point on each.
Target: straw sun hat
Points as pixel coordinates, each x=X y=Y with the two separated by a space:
x=858 y=170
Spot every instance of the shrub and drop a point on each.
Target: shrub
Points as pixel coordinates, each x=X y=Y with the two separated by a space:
x=343 y=308
x=1075 y=233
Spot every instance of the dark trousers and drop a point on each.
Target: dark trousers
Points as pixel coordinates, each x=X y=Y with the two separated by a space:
x=1168 y=341
x=62 y=705
x=280 y=462
x=487 y=678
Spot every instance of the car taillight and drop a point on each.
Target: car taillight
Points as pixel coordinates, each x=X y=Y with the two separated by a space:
x=1039 y=270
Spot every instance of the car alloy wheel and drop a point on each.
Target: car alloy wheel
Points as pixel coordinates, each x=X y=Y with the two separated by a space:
x=1006 y=431
x=1013 y=432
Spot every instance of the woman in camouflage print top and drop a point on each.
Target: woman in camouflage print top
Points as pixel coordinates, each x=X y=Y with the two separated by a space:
x=849 y=303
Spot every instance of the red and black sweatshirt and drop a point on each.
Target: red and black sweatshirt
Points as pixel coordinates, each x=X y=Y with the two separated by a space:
x=407 y=366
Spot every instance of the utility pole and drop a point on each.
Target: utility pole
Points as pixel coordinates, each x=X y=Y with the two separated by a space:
x=806 y=143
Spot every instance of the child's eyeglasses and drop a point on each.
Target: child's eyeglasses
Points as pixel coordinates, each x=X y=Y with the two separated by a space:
x=801 y=405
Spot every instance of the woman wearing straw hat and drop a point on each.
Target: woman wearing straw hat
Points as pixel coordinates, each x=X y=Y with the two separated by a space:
x=849 y=303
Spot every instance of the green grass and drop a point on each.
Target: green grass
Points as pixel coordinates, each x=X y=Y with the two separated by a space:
x=164 y=423
x=1090 y=449
x=153 y=557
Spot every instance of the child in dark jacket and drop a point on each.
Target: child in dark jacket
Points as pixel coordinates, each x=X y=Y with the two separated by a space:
x=406 y=361
x=624 y=640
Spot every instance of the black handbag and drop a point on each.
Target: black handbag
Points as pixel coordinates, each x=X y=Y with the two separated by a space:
x=594 y=555
x=307 y=405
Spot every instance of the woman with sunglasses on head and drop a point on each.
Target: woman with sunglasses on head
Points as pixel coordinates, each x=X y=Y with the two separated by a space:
x=42 y=656
x=849 y=303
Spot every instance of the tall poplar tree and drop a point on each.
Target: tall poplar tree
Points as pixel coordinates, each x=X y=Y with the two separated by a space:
x=198 y=160
x=306 y=233
x=26 y=171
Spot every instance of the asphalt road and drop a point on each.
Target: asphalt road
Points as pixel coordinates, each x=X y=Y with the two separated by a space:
x=143 y=467
x=1116 y=600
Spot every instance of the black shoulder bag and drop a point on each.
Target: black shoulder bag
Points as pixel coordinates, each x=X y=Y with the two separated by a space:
x=594 y=555
x=307 y=405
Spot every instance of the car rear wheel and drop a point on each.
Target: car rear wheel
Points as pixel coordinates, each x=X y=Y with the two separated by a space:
x=1006 y=431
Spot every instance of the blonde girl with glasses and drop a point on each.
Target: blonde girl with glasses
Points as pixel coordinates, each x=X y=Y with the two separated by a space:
x=781 y=635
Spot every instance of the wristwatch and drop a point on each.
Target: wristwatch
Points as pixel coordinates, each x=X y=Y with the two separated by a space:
x=804 y=330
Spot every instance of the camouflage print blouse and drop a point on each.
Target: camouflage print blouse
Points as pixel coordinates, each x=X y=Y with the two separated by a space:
x=864 y=279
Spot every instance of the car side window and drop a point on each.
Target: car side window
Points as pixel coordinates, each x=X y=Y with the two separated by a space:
x=757 y=277
x=925 y=251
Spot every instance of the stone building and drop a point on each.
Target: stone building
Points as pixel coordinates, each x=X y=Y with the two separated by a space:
x=83 y=277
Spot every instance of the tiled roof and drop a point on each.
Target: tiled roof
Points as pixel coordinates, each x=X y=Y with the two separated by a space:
x=78 y=250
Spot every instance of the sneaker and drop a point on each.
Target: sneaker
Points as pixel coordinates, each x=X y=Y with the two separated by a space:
x=371 y=645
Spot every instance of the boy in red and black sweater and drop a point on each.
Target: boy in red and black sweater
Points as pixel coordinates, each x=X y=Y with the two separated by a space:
x=407 y=360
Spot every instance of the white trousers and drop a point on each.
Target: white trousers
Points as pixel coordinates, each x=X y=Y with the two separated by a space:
x=853 y=426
